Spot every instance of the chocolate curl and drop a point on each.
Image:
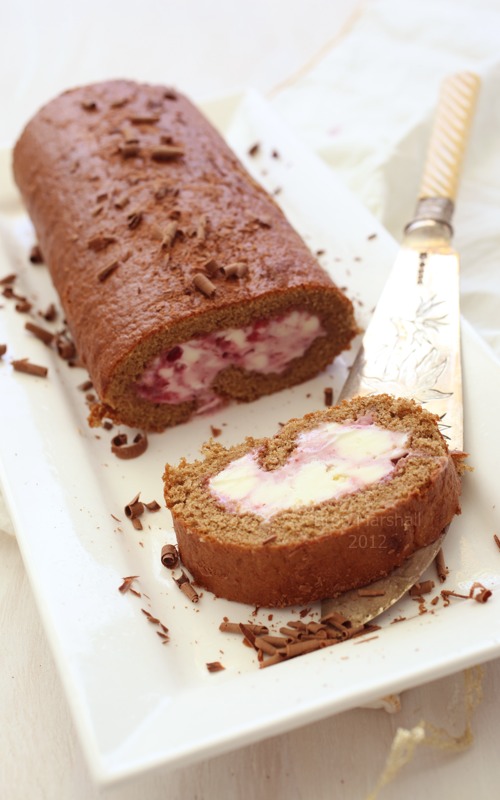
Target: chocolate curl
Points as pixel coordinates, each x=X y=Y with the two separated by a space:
x=135 y=508
x=441 y=568
x=167 y=152
x=23 y=365
x=328 y=396
x=204 y=284
x=121 y=448
x=419 y=589
x=479 y=592
x=45 y=336
x=169 y=556
x=237 y=270
x=187 y=587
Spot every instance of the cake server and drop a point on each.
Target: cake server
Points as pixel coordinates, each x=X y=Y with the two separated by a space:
x=411 y=347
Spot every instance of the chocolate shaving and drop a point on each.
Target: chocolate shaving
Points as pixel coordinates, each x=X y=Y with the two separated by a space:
x=121 y=201
x=23 y=365
x=441 y=568
x=7 y=280
x=127 y=583
x=166 y=152
x=136 y=522
x=150 y=617
x=211 y=267
x=419 y=589
x=36 y=256
x=169 y=235
x=101 y=242
x=50 y=314
x=64 y=346
x=130 y=134
x=85 y=386
x=204 y=284
x=131 y=150
x=45 y=336
x=144 y=119
x=23 y=306
x=215 y=431
x=107 y=271
x=497 y=540
x=371 y=592
x=236 y=270
x=3 y=349
x=214 y=666
x=187 y=587
x=121 y=448
x=152 y=506
x=134 y=219
x=254 y=149
x=201 y=228
x=162 y=191
x=477 y=592
x=328 y=395
x=169 y=556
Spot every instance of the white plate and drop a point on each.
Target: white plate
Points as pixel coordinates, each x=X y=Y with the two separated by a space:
x=138 y=703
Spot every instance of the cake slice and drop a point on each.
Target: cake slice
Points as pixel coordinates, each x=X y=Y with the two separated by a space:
x=182 y=282
x=334 y=501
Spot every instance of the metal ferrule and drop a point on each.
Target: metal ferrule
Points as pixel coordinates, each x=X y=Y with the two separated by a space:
x=432 y=209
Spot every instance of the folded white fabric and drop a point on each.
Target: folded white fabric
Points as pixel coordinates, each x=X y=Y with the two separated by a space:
x=367 y=109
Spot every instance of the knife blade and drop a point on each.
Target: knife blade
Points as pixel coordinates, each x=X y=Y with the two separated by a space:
x=411 y=347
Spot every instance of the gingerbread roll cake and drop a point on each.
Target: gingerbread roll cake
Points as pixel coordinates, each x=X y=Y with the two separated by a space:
x=335 y=501
x=182 y=282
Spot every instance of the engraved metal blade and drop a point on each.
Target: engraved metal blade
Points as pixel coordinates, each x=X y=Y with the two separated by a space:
x=411 y=347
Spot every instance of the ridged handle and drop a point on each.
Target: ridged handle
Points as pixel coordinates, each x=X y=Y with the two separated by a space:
x=449 y=136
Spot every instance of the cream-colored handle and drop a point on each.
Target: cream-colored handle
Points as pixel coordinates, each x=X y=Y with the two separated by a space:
x=449 y=136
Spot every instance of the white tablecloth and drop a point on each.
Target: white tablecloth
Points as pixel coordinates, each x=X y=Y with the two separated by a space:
x=359 y=83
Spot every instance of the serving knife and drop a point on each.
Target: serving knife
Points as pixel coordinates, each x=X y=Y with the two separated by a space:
x=411 y=347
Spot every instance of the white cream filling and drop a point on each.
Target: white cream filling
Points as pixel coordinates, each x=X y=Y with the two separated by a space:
x=328 y=462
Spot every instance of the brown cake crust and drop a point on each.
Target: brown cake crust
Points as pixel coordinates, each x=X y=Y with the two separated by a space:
x=131 y=192
x=316 y=552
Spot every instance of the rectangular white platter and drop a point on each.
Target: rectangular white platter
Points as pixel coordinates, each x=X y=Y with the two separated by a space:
x=140 y=704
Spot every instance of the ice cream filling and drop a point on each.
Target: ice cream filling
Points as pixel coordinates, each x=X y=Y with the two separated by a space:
x=328 y=462
x=187 y=371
